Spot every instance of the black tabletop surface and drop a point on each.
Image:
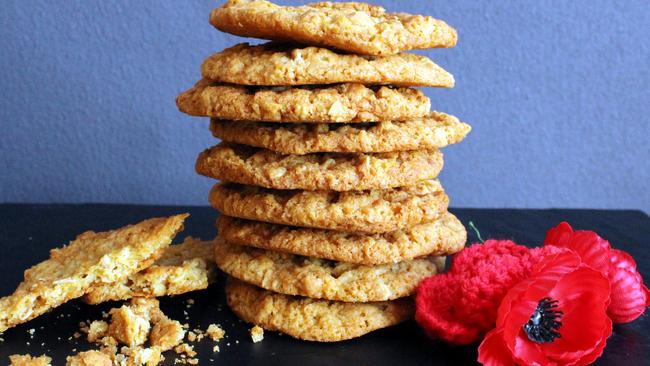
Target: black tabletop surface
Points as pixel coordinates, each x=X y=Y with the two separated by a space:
x=27 y=232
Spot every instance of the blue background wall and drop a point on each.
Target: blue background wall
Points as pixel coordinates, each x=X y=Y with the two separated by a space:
x=557 y=93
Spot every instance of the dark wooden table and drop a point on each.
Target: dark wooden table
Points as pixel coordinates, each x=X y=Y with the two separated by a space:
x=27 y=232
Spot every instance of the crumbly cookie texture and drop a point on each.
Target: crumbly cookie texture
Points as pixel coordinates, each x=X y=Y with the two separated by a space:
x=371 y=211
x=215 y=332
x=435 y=131
x=257 y=334
x=442 y=237
x=282 y=64
x=181 y=268
x=356 y=27
x=91 y=259
x=134 y=324
x=89 y=358
x=166 y=334
x=335 y=103
x=290 y=274
x=29 y=360
x=312 y=319
x=319 y=171
x=130 y=324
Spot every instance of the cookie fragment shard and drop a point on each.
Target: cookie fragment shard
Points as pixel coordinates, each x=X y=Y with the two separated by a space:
x=93 y=258
x=181 y=268
x=29 y=360
x=89 y=358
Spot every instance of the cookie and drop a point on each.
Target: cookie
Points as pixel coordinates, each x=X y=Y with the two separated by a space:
x=355 y=27
x=91 y=259
x=371 y=211
x=442 y=237
x=312 y=319
x=291 y=274
x=181 y=268
x=434 y=131
x=320 y=171
x=335 y=103
x=283 y=64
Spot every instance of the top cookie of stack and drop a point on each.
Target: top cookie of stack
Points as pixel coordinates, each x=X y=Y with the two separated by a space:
x=328 y=163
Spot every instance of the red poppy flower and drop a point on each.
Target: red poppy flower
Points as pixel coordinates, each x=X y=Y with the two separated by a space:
x=461 y=306
x=629 y=296
x=558 y=316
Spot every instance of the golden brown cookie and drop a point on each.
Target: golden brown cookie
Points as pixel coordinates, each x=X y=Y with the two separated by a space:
x=442 y=237
x=371 y=211
x=284 y=64
x=435 y=131
x=181 y=268
x=320 y=171
x=335 y=103
x=91 y=259
x=312 y=319
x=356 y=27
x=291 y=274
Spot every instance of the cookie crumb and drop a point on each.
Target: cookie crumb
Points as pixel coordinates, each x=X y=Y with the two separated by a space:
x=142 y=356
x=89 y=358
x=97 y=330
x=128 y=327
x=185 y=349
x=166 y=334
x=215 y=332
x=257 y=334
x=29 y=360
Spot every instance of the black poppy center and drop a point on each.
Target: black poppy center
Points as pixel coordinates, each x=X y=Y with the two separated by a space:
x=543 y=325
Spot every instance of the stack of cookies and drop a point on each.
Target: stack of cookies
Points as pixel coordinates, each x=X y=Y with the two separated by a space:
x=330 y=209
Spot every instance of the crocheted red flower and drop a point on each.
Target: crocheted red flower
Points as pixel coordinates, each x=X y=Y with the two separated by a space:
x=629 y=296
x=558 y=316
x=461 y=306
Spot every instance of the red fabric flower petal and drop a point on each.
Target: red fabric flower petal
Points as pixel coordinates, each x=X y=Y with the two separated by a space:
x=493 y=351
x=629 y=295
x=461 y=305
x=584 y=297
x=436 y=311
x=582 y=294
x=593 y=249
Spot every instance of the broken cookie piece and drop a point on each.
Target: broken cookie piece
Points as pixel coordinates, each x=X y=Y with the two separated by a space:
x=181 y=268
x=93 y=258
x=29 y=360
x=257 y=334
x=130 y=324
x=89 y=358
x=166 y=334
x=215 y=332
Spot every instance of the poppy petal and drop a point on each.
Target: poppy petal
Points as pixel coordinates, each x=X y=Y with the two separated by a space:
x=629 y=296
x=493 y=351
x=583 y=296
x=593 y=250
